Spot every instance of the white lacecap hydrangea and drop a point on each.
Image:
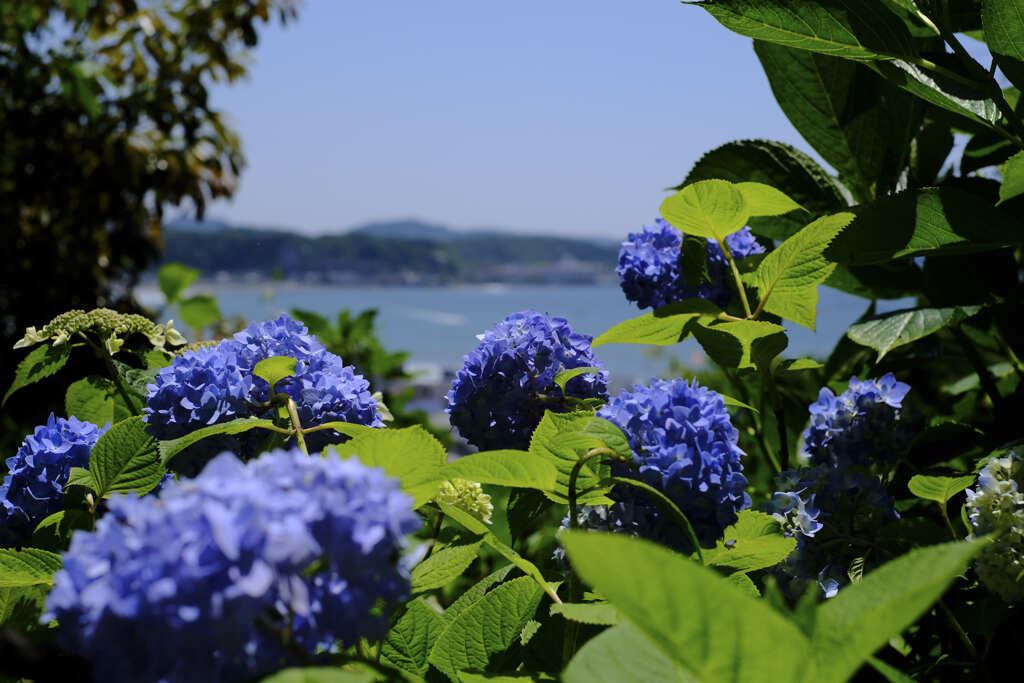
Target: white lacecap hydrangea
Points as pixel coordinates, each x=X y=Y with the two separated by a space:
x=996 y=507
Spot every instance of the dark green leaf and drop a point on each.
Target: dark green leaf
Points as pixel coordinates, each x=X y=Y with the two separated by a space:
x=971 y=103
x=93 y=399
x=54 y=532
x=929 y=151
x=175 y=278
x=740 y=344
x=79 y=476
x=443 y=567
x=125 y=458
x=1013 y=178
x=891 y=330
x=475 y=592
x=40 y=363
x=411 y=639
x=1003 y=23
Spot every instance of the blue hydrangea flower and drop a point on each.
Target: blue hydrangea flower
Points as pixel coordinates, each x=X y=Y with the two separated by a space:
x=34 y=486
x=203 y=582
x=651 y=275
x=858 y=427
x=685 y=446
x=216 y=385
x=996 y=506
x=505 y=385
x=797 y=516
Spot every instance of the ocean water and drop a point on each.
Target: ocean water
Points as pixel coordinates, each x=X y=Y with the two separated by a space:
x=438 y=325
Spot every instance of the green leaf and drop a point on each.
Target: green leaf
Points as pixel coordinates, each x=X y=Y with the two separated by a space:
x=200 y=311
x=778 y=165
x=175 y=278
x=475 y=593
x=410 y=454
x=561 y=440
x=765 y=200
x=740 y=344
x=78 y=476
x=563 y=377
x=744 y=583
x=972 y=105
x=486 y=627
x=929 y=151
x=667 y=508
x=666 y=326
x=124 y=459
x=25 y=579
x=596 y=613
x=170 y=448
x=864 y=29
x=755 y=541
x=54 y=531
x=891 y=330
x=320 y=674
x=865 y=615
x=95 y=399
x=474 y=525
x=515 y=469
x=443 y=567
x=939 y=489
x=789 y=276
x=1003 y=23
x=857 y=121
x=623 y=655
x=708 y=208
x=275 y=369
x=709 y=626
x=891 y=673
x=1013 y=178
x=972 y=381
x=40 y=363
x=410 y=640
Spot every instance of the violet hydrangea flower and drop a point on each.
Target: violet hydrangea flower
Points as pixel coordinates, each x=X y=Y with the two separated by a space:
x=34 y=486
x=686 y=447
x=206 y=581
x=651 y=275
x=505 y=385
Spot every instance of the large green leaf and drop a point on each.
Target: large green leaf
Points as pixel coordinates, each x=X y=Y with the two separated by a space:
x=25 y=578
x=666 y=326
x=595 y=613
x=861 y=29
x=175 y=278
x=563 y=438
x=95 y=399
x=891 y=330
x=516 y=469
x=972 y=105
x=199 y=311
x=857 y=122
x=765 y=200
x=40 y=363
x=170 y=448
x=411 y=639
x=623 y=655
x=320 y=674
x=939 y=489
x=740 y=344
x=865 y=615
x=707 y=625
x=922 y=222
x=708 y=208
x=1013 y=178
x=126 y=458
x=1003 y=23
x=486 y=627
x=443 y=567
x=789 y=276
x=411 y=454
x=755 y=541
x=475 y=593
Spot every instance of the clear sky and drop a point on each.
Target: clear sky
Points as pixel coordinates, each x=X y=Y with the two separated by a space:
x=561 y=116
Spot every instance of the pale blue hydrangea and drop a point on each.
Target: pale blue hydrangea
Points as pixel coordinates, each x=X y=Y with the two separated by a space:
x=216 y=385
x=651 y=275
x=996 y=507
x=204 y=582
x=34 y=486
x=685 y=446
x=499 y=396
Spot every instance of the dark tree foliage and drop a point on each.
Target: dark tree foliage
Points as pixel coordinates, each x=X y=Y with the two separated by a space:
x=105 y=119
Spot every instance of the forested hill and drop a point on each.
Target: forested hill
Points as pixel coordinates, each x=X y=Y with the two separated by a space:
x=405 y=252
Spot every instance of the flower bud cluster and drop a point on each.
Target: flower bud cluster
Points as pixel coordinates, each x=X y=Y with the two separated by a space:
x=239 y=572
x=650 y=271
x=996 y=507
x=468 y=496
x=499 y=396
x=111 y=327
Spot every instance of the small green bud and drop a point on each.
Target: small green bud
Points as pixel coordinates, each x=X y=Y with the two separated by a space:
x=468 y=496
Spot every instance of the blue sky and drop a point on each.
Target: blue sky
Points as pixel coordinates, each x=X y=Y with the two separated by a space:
x=561 y=116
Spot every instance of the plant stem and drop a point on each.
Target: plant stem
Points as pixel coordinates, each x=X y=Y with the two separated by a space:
x=966 y=639
x=574 y=475
x=435 y=534
x=780 y=422
x=294 y=415
x=736 y=276
x=101 y=351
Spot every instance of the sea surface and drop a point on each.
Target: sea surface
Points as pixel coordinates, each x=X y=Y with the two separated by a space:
x=438 y=325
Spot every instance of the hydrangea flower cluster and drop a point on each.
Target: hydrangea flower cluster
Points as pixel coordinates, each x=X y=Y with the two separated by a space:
x=685 y=446
x=859 y=427
x=468 y=496
x=208 y=580
x=505 y=385
x=651 y=275
x=996 y=506
x=109 y=325
x=852 y=439
x=34 y=486
x=216 y=384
